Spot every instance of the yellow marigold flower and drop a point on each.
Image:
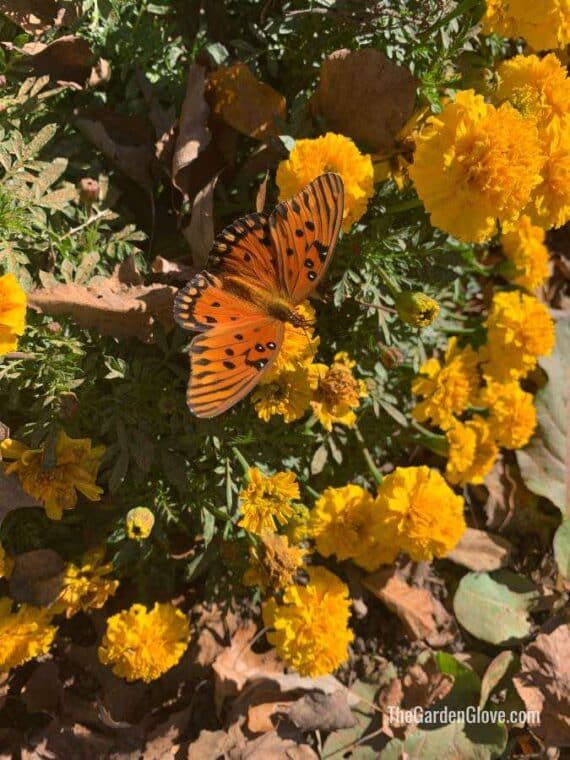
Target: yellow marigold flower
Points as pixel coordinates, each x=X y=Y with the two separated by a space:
x=472 y=451
x=12 y=313
x=297 y=527
x=537 y=87
x=87 y=586
x=298 y=348
x=311 y=630
x=273 y=563
x=416 y=309
x=330 y=153
x=336 y=392
x=6 y=564
x=447 y=389
x=550 y=202
x=76 y=467
x=140 y=522
x=287 y=395
x=422 y=512
x=24 y=634
x=524 y=248
x=544 y=24
x=475 y=164
x=266 y=500
x=519 y=330
x=512 y=414
x=143 y=644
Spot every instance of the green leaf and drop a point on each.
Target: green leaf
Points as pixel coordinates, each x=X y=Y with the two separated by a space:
x=456 y=740
x=466 y=683
x=495 y=607
x=562 y=548
x=367 y=721
x=543 y=463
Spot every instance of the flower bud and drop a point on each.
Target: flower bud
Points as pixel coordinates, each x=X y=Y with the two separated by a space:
x=416 y=309
x=140 y=522
x=88 y=190
x=391 y=357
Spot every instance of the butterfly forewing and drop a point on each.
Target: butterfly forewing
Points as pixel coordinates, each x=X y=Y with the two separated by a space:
x=304 y=231
x=228 y=361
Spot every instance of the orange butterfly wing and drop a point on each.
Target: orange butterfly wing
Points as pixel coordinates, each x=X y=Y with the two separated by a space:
x=304 y=230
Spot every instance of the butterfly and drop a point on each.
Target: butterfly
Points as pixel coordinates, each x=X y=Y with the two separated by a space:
x=261 y=268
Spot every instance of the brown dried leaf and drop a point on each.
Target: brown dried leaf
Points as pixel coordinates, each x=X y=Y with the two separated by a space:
x=238 y=664
x=366 y=96
x=43 y=691
x=544 y=684
x=110 y=305
x=175 y=269
x=422 y=615
x=193 y=132
x=200 y=231
x=37 y=16
x=326 y=712
x=68 y=61
x=271 y=746
x=216 y=744
x=481 y=551
x=12 y=496
x=261 y=196
x=37 y=577
x=237 y=97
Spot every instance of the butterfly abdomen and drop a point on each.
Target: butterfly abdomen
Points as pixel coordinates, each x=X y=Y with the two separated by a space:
x=273 y=304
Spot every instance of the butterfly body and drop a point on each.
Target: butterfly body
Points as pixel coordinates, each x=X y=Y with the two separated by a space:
x=262 y=268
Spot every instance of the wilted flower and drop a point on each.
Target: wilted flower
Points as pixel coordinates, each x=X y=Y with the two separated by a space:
x=86 y=586
x=416 y=309
x=273 y=562
x=12 y=313
x=24 y=634
x=266 y=500
x=512 y=414
x=331 y=153
x=472 y=451
x=143 y=644
x=311 y=630
x=88 y=190
x=75 y=469
x=337 y=393
x=524 y=248
x=139 y=522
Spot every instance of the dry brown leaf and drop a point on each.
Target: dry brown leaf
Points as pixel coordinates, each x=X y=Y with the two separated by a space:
x=69 y=61
x=544 y=685
x=364 y=95
x=175 y=269
x=193 y=132
x=37 y=16
x=37 y=577
x=271 y=746
x=261 y=195
x=238 y=664
x=112 y=305
x=44 y=689
x=259 y=717
x=422 y=615
x=200 y=232
x=214 y=744
x=163 y=120
x=237 y=97
x=326 y=712
x=12 y=496
x=481 y=551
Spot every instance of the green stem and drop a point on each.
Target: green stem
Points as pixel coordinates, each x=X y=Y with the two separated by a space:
x=389 y=282
x=374 y=471
x=242 y=460
x=432 y=441
x=219 y=513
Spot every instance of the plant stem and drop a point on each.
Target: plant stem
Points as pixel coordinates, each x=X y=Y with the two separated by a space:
x=374 y=471
x=242 y=460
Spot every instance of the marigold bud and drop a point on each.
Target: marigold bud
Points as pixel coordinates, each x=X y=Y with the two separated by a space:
x=416 y=309
x=140 y=522
x=391 y=357
x=88 y=190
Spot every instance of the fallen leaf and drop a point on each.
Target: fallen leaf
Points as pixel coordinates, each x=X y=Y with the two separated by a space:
x=454 y=741
x=495 y=673
x=364 y=95
x=238 y=664
x=37 y=577
x=162 y=739
x=422 y=615
x=261 y=195
x=175 y=269
x=44 y=689
x=112 y=305
x=12 y=496
x=251 y=107
x=325 y=712
x=367 y=722
x=481 y=551
x=545 y=462
x=163 y=120
x=37 y=16
x=271 y=746
x=216 y=744
x=69 y=61
x=193 y=132
x=561 y=546
x=200 y=232
x=544 y=685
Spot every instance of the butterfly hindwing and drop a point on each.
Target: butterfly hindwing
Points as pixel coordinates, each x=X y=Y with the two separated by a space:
x=304 y=230
x=227 y=362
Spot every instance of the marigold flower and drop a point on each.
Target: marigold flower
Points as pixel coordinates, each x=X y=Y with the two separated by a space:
x=550 y=201
x=298 y=348
x=143 y=644
x=311 y=630
x=524 y=248
x=519 y=330
x=266 y=500
x=416 y=309
x=12 y=313
x=472 y=451
x=336 y=392
x=76 y=467
x=24 y=634
x=273 y=563
x=475 y=164
x=544 y=24
x=297 y=527
x=6 y=564
x=87 y=586
x=512 y=414
x=538 y=88
x=139 y=522
x=287 y=395
x=447 y=389
x=422 y=511
x=330 y=153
